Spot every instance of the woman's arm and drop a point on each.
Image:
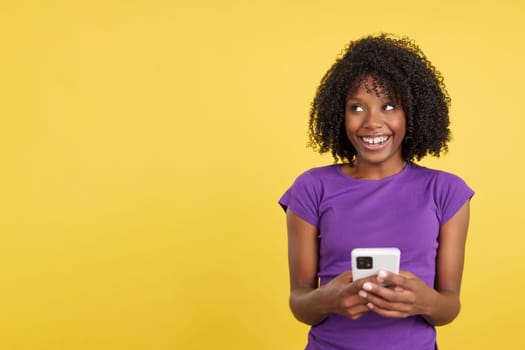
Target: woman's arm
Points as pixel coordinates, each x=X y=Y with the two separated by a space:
x=411 y=296
x=449 y=267
x=310 y=303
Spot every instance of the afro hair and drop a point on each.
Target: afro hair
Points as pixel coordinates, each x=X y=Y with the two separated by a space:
x=401 y=70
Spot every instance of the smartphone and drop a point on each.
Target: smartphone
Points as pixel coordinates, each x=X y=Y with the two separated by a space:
x=368 y=261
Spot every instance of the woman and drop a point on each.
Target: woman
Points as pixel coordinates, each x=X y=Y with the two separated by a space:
x=381 y=106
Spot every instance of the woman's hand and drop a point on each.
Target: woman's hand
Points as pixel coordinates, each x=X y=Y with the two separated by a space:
x=407 y=295
x=342 y=295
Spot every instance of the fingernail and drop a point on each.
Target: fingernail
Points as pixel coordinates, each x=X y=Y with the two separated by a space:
x=382 y=273
x=362 y=294
x=367 y=286
x=370 y=305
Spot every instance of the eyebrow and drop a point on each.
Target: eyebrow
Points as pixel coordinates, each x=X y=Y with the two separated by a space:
x=382 y=98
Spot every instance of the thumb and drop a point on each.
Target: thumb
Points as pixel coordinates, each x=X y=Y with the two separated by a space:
x=352 y=288
x=347 y=276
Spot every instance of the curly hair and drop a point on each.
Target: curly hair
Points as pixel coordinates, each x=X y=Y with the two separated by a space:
x=399 y=69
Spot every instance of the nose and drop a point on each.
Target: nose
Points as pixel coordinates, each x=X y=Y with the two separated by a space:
x=373 y=120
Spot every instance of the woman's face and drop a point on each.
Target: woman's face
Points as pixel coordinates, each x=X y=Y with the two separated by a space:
x=375 y=125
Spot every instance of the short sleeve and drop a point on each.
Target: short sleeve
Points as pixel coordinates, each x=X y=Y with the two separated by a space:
x=453 y=193
x=303 y=198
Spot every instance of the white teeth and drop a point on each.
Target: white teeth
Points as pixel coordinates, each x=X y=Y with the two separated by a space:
x=375 y=140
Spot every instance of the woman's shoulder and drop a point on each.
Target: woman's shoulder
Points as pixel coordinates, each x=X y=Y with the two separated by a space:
x=319 y=177
x=422 y=171
x=436 y=176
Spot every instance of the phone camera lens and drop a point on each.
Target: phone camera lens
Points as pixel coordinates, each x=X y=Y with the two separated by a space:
x=364 y=262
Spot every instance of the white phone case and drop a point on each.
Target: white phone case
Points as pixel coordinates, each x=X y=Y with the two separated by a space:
x=380 y=258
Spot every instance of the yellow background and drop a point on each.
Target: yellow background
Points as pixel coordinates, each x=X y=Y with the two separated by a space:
x=144 y=146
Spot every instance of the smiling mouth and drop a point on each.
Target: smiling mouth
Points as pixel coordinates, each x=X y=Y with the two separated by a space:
x=375 y=140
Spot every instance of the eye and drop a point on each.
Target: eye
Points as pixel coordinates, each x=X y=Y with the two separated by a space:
x=389 y=107
x=356 y=108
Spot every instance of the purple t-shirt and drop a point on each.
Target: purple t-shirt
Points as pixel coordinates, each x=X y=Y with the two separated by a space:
x=405 y=211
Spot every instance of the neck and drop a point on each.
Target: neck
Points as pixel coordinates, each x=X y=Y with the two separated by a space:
x=367 y=171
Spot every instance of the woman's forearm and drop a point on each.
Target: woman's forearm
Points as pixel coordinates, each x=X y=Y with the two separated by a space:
x=444 y=308
x=308 y=305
